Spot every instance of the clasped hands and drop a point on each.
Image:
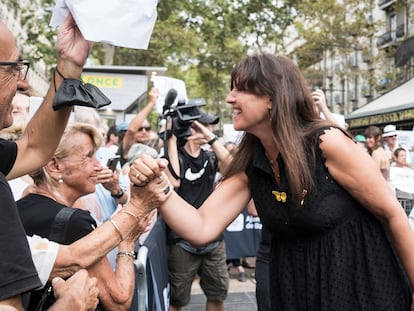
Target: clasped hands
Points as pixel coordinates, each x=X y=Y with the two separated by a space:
x=151 y=185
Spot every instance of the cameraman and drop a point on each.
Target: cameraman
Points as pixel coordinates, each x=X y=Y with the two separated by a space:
x=192 y=172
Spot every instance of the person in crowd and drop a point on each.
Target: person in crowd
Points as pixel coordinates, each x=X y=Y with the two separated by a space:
x=361 y=140
x=27 y=262
x=71 y=173
x=135 y=151
x=400 y=156
x=192 y=173
x=139 y=129
x=87 y=115
x=390 y=138
x=375 y=149
x=111 y=189
x=20 y=113
x=336 y=228
x=40 y=138
x=20 y=186
x=112 y=139
x=21 y=105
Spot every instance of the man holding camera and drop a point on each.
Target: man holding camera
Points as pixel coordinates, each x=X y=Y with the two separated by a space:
x=192 y=172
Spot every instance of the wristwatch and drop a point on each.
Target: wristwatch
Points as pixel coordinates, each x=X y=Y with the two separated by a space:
x=213 y=140
x=118 y=195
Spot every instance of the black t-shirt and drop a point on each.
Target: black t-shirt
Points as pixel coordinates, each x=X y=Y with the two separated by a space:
x=38 y=213
x=197 y=176
x=17 y=271
x=196 y=184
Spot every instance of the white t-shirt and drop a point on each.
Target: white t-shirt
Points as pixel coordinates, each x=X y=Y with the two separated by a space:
x=44 y=254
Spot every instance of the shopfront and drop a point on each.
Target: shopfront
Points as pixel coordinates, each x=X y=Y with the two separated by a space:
x=396 y=107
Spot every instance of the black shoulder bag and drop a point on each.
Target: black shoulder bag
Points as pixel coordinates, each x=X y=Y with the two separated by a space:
x=57 y=234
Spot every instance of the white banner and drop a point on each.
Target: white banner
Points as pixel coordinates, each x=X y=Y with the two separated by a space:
x=402 y=178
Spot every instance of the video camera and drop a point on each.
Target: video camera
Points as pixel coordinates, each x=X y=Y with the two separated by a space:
x=183 y=114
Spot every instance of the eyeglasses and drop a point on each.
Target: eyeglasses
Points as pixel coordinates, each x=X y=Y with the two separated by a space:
x=146 y=128
x=20 y=67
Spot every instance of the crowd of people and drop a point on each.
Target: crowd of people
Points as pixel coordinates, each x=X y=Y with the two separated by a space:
x=334 y=235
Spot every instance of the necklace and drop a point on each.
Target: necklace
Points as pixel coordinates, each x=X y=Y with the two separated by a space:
x=275 y=168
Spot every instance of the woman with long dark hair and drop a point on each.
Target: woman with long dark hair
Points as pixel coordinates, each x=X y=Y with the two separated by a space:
x=336 y=227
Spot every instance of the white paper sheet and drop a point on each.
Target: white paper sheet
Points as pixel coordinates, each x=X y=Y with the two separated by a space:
x=125 y=23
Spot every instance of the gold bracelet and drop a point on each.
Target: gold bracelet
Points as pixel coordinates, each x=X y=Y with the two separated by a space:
x=131 y=254
x=132 y=214
x=117 y=229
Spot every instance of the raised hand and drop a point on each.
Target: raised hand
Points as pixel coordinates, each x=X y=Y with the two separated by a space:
x=71 y=45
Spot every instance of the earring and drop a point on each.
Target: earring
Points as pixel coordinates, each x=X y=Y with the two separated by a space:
x=60 y=180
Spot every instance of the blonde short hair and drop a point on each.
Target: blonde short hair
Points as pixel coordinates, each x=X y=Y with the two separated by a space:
x=65 y=148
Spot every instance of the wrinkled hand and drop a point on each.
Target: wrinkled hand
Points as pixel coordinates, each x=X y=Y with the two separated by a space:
x=142 y=226
x=145 y=169
x=151 y=186
x=152 y=195
x=71 y=45
x=80 y=289
x=109 y=179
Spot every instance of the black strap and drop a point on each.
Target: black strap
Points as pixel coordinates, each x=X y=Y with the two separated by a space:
x=44 y=298
x=60 y=224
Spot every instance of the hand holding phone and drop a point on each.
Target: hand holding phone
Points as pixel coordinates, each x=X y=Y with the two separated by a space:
x=113 y=162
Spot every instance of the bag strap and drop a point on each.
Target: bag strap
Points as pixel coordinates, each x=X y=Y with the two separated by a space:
x=60 y=224
x=57 y=234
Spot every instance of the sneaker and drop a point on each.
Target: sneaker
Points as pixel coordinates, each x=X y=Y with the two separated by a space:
x=242 y=277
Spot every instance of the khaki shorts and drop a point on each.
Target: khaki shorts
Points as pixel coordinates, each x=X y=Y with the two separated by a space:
x=211 y=268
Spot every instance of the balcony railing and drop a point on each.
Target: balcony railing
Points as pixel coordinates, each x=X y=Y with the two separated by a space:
x=386 y=39
x=383 y=4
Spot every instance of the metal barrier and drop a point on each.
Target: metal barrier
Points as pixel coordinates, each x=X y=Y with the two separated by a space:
x=407 y=204
x=406 y=200
x=141 y=278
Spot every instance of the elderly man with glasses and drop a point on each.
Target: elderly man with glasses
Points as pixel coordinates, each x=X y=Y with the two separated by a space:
x=24 y=269
x=18 y=274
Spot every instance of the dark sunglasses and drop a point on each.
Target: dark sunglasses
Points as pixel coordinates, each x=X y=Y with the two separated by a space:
x=146 y=128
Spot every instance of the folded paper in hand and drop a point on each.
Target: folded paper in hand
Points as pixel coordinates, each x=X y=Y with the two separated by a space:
x=127 y=23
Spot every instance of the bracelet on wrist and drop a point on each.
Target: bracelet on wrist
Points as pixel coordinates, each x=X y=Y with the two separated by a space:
x=212 y=141
x=130 y=254
x=117 y=229
x=138 y=219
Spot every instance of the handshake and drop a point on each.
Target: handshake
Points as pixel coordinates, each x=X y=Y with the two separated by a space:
x=150 y=185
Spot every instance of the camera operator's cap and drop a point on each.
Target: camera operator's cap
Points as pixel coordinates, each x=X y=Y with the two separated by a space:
x=389 y=130
x=206 y=118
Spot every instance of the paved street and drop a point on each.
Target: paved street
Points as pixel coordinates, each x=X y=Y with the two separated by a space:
x=241 y=295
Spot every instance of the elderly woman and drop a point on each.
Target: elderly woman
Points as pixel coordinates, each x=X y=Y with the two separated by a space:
x=70 y=174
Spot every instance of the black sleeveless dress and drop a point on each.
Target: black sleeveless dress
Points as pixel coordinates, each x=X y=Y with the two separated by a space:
x=328 y=254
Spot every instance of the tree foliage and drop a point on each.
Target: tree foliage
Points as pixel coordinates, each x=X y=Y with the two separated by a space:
x=200 y=40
